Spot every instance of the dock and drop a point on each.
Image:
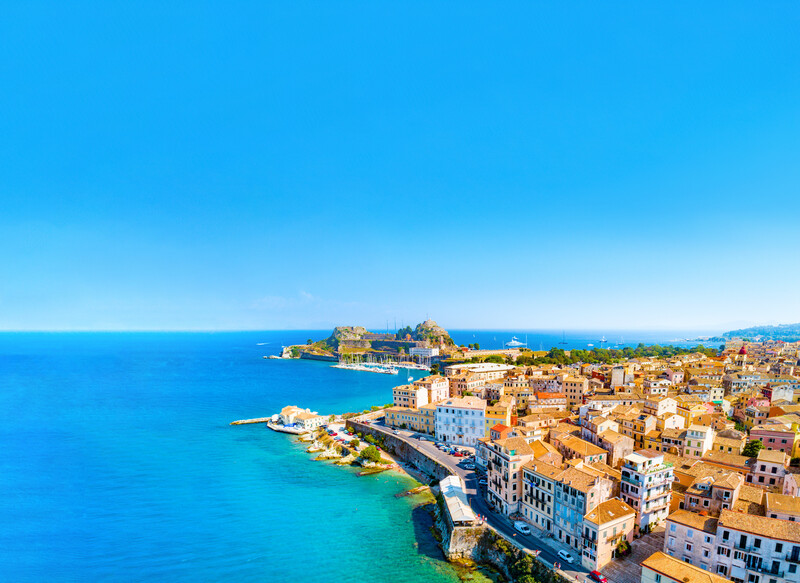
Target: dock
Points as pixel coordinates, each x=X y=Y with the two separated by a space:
x=248 y=421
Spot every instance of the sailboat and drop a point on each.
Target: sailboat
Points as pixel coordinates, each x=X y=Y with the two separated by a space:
x=563 y=337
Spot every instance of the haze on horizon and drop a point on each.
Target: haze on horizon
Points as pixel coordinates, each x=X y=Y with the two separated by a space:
x=302 y=165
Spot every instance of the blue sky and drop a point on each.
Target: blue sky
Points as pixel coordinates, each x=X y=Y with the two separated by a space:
x=304 y=164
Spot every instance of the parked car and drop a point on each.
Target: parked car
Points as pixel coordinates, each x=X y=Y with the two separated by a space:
x=334 y=434
x=394 y=431
x=522 y=527
x=458 y=454
x=596 y=576
x=566 y=556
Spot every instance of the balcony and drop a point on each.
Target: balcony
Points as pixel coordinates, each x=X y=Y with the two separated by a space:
x=766 y=571
x=636 y=483
x=793 y=558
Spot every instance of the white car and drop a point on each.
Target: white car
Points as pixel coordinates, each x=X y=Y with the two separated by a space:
x=522 y=527
x=566 y=556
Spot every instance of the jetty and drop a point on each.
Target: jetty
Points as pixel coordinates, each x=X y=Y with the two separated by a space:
x=248 y=421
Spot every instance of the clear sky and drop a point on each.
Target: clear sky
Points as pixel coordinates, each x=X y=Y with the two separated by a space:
x=294 y=164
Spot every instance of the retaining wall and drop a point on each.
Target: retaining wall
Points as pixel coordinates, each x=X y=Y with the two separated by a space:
x=403 y=450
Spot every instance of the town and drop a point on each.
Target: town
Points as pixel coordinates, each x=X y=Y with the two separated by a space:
x=681 y=468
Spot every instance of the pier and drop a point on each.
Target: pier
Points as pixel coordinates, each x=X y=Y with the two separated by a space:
x=248 y=421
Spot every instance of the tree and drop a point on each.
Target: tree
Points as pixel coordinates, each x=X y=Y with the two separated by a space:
x=371 y=454
x=752 y=448
x=477 y=346
x=309 y=341
x=354 y=442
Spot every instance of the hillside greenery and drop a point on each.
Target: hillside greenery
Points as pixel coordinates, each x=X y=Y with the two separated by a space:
x=597 y=355
x=785 y=332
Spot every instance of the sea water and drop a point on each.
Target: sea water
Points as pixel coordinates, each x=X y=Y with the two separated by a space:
x=117 y=462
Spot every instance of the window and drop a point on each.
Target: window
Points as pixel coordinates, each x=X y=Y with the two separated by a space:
x=688 y=546
x=757 y=543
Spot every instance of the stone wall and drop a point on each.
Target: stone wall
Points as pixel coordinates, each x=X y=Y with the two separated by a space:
x=404 y=451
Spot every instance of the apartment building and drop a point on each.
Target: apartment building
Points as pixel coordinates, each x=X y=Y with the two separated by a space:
x=646 y=486
x=411 y=396
x=460 y=421
x=538 y=493
x=575 y=388
x=769 y=470
x=698 y=441
x=438 y=387
x=604 y=528
x=504 y=473
x=757 y=549
x=577 y=492
x=691 y=538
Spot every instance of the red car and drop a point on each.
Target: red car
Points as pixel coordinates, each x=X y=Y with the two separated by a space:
x=458 y=454
x=596 y=576
x=334 y=434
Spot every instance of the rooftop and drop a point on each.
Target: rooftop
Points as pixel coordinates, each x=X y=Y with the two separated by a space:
x=679 y=571
x=767 y=527
x=609 y=511
x=694 y=520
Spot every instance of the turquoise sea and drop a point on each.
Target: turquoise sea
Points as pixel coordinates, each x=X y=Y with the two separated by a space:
x=118 y=463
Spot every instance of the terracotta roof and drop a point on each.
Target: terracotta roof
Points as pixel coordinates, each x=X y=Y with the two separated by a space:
x=782 y=504
x=694 y=520
x=768 y=527
x=577 y=479
x=609 y=511
x=677 y=570
x=579 y=446
x=543 y=468
x=772 y=456
x=516 y=444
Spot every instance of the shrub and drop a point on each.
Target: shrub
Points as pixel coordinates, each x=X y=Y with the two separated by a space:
x=371 y=454
x=355 y=442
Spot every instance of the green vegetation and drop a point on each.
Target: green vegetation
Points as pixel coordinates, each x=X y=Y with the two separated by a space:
x=371 y=454
x=739 y=426
x=354 y=443
x=752 y=448
x=404 y=333
x=595 y=355
x=785 y=332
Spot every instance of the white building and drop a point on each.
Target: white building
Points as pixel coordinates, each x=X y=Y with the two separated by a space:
x=757 y=549
x=699 y=440
x=423 y=352
x=691 y=538
x=647 y=486
x=460 y=421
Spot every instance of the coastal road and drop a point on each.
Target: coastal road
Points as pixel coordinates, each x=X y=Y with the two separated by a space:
x=548 y=547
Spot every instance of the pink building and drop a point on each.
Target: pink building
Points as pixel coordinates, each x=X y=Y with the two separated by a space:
x=775 y=437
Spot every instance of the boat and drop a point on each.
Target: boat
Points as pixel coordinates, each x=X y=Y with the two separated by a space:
x=603 y=340
x=514 y=343
x=563 y=337
x=410 y=378
x=590 y=345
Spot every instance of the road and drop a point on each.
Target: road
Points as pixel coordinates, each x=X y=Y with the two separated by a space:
x=548 y=547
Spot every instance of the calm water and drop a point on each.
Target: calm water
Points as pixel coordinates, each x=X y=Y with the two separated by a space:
x=117 y=462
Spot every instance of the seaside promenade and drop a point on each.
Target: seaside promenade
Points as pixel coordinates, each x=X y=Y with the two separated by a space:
x=548 y=547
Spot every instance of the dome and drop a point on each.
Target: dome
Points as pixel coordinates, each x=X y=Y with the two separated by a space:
x=743 y=350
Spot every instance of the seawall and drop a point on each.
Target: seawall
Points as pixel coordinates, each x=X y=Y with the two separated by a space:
x=403 y=450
